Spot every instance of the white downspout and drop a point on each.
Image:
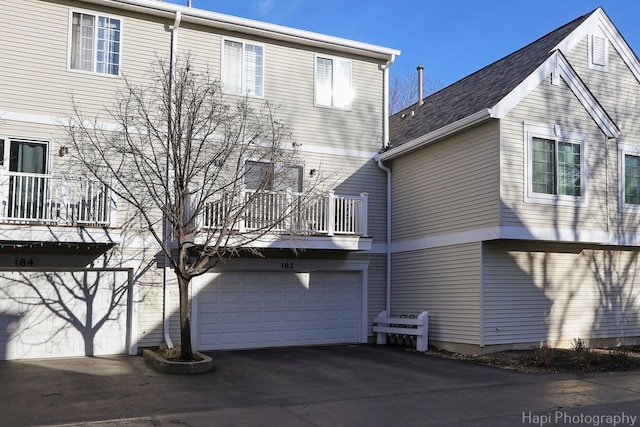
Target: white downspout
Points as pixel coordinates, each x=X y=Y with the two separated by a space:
x=165 y=276
x=385 y=143
x=388 y=278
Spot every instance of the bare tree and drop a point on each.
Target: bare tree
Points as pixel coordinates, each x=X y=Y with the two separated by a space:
x=403 y=87
x=209 y=175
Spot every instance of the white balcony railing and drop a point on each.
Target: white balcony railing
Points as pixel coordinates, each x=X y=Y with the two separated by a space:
x=285 y=212
x=53 y=199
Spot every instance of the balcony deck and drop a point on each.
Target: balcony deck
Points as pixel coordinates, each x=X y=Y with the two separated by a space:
x=293 y=220
x=55 y=208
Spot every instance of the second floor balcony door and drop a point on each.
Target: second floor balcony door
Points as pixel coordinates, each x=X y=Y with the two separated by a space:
x=28 y=187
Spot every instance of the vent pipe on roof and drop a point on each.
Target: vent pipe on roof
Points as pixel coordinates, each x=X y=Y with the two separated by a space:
x=420 y=68
x=188 y=3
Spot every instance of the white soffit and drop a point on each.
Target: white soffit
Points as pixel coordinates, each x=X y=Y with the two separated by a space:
x=249 y=26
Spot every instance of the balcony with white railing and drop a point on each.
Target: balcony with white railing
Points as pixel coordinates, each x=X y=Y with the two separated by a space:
x=54 y=208
x=323 y=221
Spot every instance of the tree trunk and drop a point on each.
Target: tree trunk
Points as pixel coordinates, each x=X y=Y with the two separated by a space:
x=186 y=352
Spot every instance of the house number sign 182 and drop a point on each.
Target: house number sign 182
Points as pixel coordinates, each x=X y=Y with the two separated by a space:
x=286 y=266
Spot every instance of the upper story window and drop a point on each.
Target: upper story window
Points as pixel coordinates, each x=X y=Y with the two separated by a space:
x=243 y=68
x=629 y=173
x=95 y=43
x=555 y=165
x=333 y=82
x=273 y=176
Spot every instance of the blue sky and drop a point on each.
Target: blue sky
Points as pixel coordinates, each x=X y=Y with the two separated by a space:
x=451 y=38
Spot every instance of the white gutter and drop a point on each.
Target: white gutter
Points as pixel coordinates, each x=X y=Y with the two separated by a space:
x=385 y=143
x=167 y=269
x=443 y=132
x=249 y=26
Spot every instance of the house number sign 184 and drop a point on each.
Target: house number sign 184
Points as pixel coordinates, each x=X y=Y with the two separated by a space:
x=24 y=262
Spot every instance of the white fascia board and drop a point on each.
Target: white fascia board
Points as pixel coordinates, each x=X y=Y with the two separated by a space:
x=59 y=234
x=587 y=99
x=284 y=241
x=533 y=234
x=557 y=63
x=600 y=21
x=437 y=134
x=249 y=26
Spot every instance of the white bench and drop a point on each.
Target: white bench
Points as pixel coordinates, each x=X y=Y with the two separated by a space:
x=383 y=325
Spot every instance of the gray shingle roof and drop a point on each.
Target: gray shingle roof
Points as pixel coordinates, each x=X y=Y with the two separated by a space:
x=478 y=91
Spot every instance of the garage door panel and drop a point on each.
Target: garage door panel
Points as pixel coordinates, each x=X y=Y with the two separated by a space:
x=277 y=308
x=293 y=297
x=46 y=314
x=273 y=297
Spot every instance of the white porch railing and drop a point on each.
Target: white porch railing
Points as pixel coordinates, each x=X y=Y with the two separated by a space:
x=54 y=199
x=284 y=211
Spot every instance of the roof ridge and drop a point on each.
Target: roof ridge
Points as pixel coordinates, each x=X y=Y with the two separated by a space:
x=580 y=18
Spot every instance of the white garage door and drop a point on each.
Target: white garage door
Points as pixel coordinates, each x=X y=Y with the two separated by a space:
x=266 y=309
x=62 y=314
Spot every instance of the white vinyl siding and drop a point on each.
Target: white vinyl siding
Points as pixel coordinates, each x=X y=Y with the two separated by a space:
x=618 y=91
x=243 y=68
x=553 y=112
x=95 y=43
x=460 y=173
x=554 y=293
x=445 y=282
x=37 y=81
x=333 y=82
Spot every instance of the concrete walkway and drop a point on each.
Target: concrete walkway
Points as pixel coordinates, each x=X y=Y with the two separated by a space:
x=329 y=386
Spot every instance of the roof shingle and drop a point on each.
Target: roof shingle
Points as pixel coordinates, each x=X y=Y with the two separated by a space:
x=478 y=91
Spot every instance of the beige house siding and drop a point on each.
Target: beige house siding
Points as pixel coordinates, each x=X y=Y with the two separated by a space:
x=535 y=293
x=45 y=62
x=617 y=89
x=446 y=282
x=555 y=105
x=338 y=144
x=449 y=186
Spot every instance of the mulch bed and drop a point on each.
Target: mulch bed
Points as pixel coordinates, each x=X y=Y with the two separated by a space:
x=555 y=360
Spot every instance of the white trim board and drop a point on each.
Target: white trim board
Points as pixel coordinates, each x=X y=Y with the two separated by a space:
x=539 y=234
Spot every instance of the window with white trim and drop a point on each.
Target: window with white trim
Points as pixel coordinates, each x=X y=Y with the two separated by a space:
x=555 y=165
x=24 y=155
x=333 y=82
x=243 y=68
x=95 y=43
x=629 y=173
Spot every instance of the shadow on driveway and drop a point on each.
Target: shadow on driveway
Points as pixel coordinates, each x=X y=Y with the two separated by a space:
x=355 y=385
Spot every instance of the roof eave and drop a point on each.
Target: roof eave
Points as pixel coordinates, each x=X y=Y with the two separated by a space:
x=436 y=135
x=249 y=26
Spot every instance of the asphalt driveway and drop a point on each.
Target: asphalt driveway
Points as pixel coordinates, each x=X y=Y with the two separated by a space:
x=360 y=385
